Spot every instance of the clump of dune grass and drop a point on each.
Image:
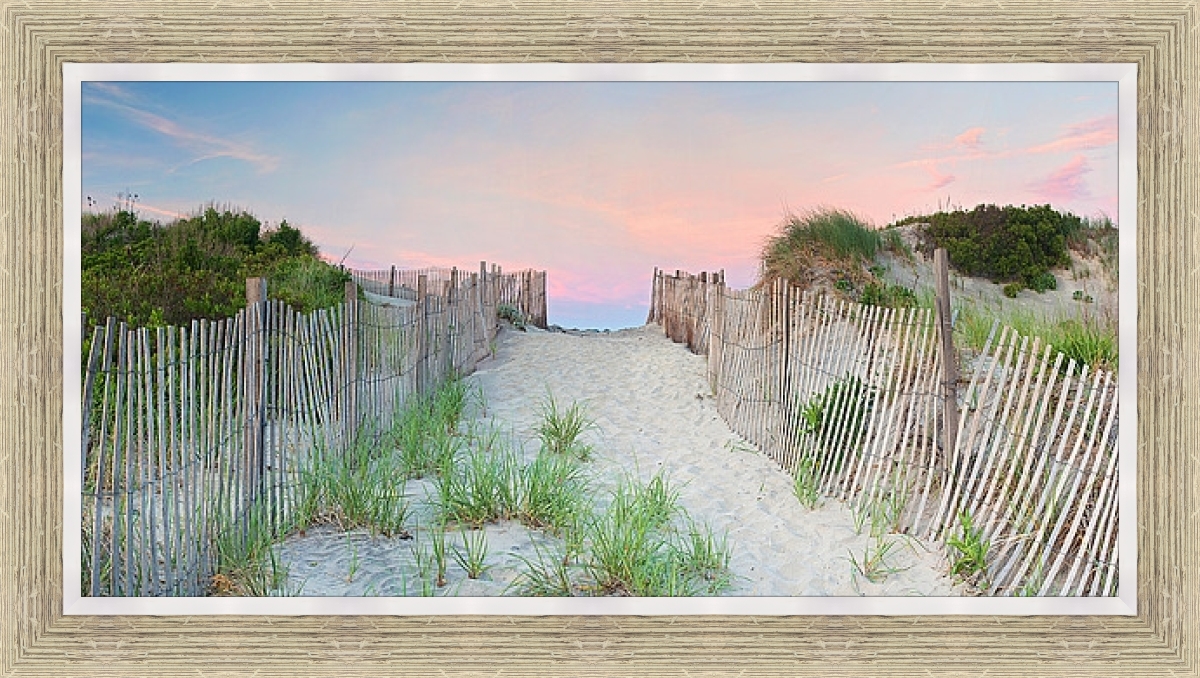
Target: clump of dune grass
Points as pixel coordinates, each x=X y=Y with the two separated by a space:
x=825 y=241
x=969 y=551
x=641 y=544
x=873 y=565
x=552 y=493
x=472 y=556
x=362 y=486
x=1091 y=341
x=546 y=575
x=512 y=314
x=806 y=484
x=560 y=430
x=635 y=547
x=476 y=488
x=247 y=563
x=424 y=431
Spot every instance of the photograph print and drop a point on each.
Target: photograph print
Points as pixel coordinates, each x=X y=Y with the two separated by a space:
x=599 y=338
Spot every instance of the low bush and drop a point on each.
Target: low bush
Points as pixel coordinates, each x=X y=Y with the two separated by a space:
x=891 y=296
x=1004 y=244
x=150 y=274
x=836 y=419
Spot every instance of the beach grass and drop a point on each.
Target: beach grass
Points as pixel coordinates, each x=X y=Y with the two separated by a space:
x=805 y=484
x=547 y=575
x=1092 y=340
x=361 y=487
x=247 y=563
x=635 y=549
x=969 y=551
x=873 y=566
x=560 y=430
x=472 y=555
x=552 y=493
x=475 y=487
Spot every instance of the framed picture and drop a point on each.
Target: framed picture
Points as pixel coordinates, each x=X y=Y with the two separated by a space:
x=610 y=632
x=567 y=473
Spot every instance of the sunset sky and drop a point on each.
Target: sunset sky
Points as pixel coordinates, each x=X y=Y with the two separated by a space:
x=595 y=182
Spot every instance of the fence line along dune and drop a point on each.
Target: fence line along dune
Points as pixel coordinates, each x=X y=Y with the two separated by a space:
x=194 y=437
x=851 y=400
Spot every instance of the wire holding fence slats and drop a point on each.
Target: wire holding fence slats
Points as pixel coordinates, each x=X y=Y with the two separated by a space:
x=190 y=434
x=853 y=393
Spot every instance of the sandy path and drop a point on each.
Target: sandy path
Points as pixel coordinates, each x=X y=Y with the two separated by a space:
x=653 y=409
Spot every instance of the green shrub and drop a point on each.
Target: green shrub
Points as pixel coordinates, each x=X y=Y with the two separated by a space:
x=1011 y=290
x=891 y=296
x=150 y=274
x=837 y=418
x=1042 y=282
x=1004 y=244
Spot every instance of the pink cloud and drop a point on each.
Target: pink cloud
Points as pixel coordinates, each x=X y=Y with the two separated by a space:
x=1066 y=183
x=1086 y=135
x=970 y=139
x=160 y=211
x=937 y=178
x=1094 y=133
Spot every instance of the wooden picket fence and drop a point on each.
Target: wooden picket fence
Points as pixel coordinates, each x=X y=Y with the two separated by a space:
x=186 y=429
x=523 y=290
x=850 y=398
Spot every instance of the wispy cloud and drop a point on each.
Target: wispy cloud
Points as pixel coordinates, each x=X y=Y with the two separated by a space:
x=204 y=146
x=160 y=211
x=937 y=178
x=970 y=139
x=1066 y=183
x=1082 y=136
x=1089 y=134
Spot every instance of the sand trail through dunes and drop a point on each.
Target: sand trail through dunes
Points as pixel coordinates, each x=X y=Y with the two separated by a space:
x=654 y=410
x=654 y=413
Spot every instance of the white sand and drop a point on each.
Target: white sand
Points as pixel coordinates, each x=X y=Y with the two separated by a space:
x=654 y=411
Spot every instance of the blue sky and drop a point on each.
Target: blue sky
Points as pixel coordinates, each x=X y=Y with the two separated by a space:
x=595 y=182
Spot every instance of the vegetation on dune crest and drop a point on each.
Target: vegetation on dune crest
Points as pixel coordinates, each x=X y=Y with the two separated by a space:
x=1018 y=246
x=835 y=250
x=150 y=274
x=823 y=242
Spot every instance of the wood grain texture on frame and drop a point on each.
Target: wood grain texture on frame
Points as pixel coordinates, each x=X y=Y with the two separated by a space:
x=1163 y=38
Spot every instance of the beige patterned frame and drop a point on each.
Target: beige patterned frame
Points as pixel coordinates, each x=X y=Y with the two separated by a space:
x=1163 y=38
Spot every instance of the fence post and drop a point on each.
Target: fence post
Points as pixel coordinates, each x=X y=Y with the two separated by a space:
x=653 y=289
x=256 y=309
x=542 y=301
x=351 y=361
x=422 y=329
x=392 y=282
x=452 y=303
x=941 y=272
